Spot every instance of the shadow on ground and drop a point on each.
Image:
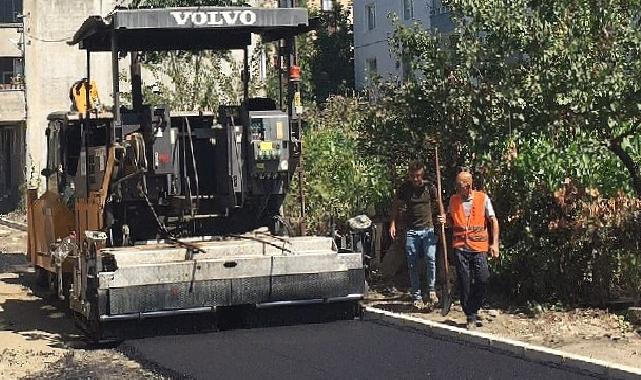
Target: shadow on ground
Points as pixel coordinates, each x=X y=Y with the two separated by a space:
x=32 y=311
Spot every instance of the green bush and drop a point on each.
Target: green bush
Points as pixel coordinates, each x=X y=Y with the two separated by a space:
x=339 y=181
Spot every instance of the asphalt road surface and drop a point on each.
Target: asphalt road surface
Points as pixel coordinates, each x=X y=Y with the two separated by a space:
x=336 y=350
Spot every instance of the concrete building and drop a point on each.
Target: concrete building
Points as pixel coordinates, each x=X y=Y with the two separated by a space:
x=52 y=66
x=328 y=5
x=373 y=28
x=440 y=17
x=12 y=104
x=37 y=68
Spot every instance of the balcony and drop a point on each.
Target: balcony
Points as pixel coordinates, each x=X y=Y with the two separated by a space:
x=12 y=103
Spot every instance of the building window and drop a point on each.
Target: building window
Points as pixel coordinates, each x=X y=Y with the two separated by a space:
x=437 y=8
x=371 y=16
x=327 y=5
x=9 y=11
x=371 y=66
x=11 y=70
x=408 y=9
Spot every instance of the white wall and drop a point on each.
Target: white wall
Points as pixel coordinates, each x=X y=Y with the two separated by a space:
x=12 y=105
x=9 y=37
x=52 y=66
x=374 y=43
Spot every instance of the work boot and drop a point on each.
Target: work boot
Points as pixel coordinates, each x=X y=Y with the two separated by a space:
x=417 y=300
x=470 y=323
x=418 y=303
x=477 y=321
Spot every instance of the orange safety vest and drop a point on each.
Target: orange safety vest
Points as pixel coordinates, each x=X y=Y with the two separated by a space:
x=469 y=232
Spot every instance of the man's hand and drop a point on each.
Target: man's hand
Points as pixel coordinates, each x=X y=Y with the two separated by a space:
x=441 y=219
x=393 y=217
x=494 y=250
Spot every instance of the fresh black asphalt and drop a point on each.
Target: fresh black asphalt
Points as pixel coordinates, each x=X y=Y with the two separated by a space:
x=336 y=350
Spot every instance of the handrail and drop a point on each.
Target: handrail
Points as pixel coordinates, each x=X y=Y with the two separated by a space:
x=11 y=86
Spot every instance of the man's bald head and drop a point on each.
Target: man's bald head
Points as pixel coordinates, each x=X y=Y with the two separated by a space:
x=464 y=176
x=464 y=184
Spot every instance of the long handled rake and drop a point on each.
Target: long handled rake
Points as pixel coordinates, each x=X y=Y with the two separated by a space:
x=446 y=296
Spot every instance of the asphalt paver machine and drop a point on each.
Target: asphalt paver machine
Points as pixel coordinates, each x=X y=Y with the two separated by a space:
x=150 y=212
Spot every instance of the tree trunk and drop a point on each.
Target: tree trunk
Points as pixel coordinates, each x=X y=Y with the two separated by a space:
x=628 y=162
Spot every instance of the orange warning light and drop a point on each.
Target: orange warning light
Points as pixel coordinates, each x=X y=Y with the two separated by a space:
x=294 y=73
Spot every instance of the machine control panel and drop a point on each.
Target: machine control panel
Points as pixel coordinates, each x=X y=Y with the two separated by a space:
x=269 y=139
x=267 y=150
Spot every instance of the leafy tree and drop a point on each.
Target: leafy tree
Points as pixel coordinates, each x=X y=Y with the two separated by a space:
x=561 y=78
x=197 y=80
x=530 y=94
x=327 y=55
x=201 y=80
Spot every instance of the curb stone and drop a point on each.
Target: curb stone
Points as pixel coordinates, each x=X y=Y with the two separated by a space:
x=12 y=224
x=525 y=351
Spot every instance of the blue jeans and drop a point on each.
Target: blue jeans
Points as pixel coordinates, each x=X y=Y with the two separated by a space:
x=421 y=243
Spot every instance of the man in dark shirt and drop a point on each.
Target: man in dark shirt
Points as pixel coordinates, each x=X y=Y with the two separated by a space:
x=421 y=240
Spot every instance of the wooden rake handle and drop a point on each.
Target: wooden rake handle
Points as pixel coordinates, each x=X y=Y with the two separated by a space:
x=442 y=238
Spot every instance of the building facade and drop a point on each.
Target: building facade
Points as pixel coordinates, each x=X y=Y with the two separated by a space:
x=373 y=27
x=52 y=66
x=37 y=69
x=328 y=5
x=12 y=104
x=440 y=17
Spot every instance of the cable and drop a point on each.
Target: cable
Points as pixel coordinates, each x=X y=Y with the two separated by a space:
x=264 y=206
x=65 y=39
x=141 y=151
x=279 y=238
x=259 y=241
x=187 y=189
x=240 y=167
x=140 y=148
x=193 y=162
x=128 y=176
x=163 y=228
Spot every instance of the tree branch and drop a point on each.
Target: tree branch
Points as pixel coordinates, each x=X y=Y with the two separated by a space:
x=628 y=162
x=618 y=139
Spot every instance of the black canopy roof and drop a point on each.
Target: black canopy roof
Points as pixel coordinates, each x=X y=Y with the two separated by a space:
x=196 y=28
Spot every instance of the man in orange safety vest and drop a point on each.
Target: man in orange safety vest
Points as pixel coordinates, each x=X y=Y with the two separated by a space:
x=469 y=214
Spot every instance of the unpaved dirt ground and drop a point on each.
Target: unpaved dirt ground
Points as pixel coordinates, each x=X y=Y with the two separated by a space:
x=37 y=339
x=16 y=216
x=12 y=241
x=593 y=333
